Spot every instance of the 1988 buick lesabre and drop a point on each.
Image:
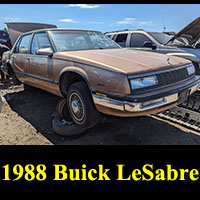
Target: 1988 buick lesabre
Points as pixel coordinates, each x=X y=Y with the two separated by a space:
x=94 y=74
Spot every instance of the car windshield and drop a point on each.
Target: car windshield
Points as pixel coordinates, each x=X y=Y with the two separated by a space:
x=81 y=40
x=163 y=38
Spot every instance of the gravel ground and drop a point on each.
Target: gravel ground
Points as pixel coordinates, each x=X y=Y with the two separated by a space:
x=27 y=114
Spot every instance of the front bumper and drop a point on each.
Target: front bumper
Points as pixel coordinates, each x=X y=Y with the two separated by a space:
x=131 y=106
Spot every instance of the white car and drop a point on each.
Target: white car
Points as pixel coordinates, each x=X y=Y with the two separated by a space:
x=184 y=44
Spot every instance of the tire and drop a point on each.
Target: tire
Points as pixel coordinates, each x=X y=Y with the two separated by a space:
x=64 y=128
x=1 y=75
x=81 y=106
x=15 y=80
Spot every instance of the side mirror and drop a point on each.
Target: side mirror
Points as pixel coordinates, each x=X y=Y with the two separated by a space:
x=45 y=52
x=148 y=44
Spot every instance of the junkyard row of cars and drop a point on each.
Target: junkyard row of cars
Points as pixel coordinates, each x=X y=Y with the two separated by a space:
x=93 y=73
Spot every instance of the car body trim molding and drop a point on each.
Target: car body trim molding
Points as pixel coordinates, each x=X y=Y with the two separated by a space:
x=37 y=77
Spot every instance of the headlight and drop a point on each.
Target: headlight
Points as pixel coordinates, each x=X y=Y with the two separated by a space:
x=143 y=82
x=191 y=70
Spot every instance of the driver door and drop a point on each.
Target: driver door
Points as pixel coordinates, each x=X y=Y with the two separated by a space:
x=39 y=65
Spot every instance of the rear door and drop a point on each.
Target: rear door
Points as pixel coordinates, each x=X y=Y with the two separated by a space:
x=20 y=57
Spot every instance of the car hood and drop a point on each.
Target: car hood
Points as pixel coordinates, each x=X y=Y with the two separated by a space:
x=191 y=32
x=187 y=53
x=123 y=60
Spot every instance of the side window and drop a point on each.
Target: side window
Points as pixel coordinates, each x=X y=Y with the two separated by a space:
x=23 y=44
x=121 y=39
x=17 y=46
x=138 y=39
x=114 y=37
x=110 y=36
x=40 y=41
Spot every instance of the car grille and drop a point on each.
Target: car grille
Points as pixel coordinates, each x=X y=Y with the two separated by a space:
x=171 y=77
x=166 y=78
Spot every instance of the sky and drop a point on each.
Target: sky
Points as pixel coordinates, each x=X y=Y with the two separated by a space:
x=103 y=17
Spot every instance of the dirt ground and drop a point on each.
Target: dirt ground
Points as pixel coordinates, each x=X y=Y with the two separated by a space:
x=27 y=115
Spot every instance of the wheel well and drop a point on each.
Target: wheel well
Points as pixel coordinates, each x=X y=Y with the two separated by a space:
x=10 y=69
x=67 y=79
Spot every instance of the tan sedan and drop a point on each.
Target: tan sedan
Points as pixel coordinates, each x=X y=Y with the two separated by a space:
x=94 y=74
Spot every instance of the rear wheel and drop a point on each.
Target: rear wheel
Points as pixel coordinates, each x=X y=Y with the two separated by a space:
x=1 y=75
x=12 y=75
x=15 y=80
x=81 y=106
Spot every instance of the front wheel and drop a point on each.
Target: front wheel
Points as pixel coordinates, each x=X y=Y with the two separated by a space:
x=81 y=105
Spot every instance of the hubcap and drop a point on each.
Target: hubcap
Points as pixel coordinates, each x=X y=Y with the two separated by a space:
x=77 y=107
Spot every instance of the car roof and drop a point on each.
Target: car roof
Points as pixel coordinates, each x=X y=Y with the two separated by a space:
x=126 y=30
x=129 y=31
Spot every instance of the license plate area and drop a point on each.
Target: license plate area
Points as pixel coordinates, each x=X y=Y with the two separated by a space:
x=183 y=96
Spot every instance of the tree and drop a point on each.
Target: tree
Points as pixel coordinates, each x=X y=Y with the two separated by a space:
x=5 y=29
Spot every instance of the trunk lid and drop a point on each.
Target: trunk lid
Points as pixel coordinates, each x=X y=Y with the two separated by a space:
x=15 y=29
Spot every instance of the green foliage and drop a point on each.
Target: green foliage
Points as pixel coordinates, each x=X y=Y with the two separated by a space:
x=5 y=29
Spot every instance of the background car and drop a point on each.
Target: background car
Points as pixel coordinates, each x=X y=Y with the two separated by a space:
x=5 y=45
x=5 y=39
x=183 y=44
